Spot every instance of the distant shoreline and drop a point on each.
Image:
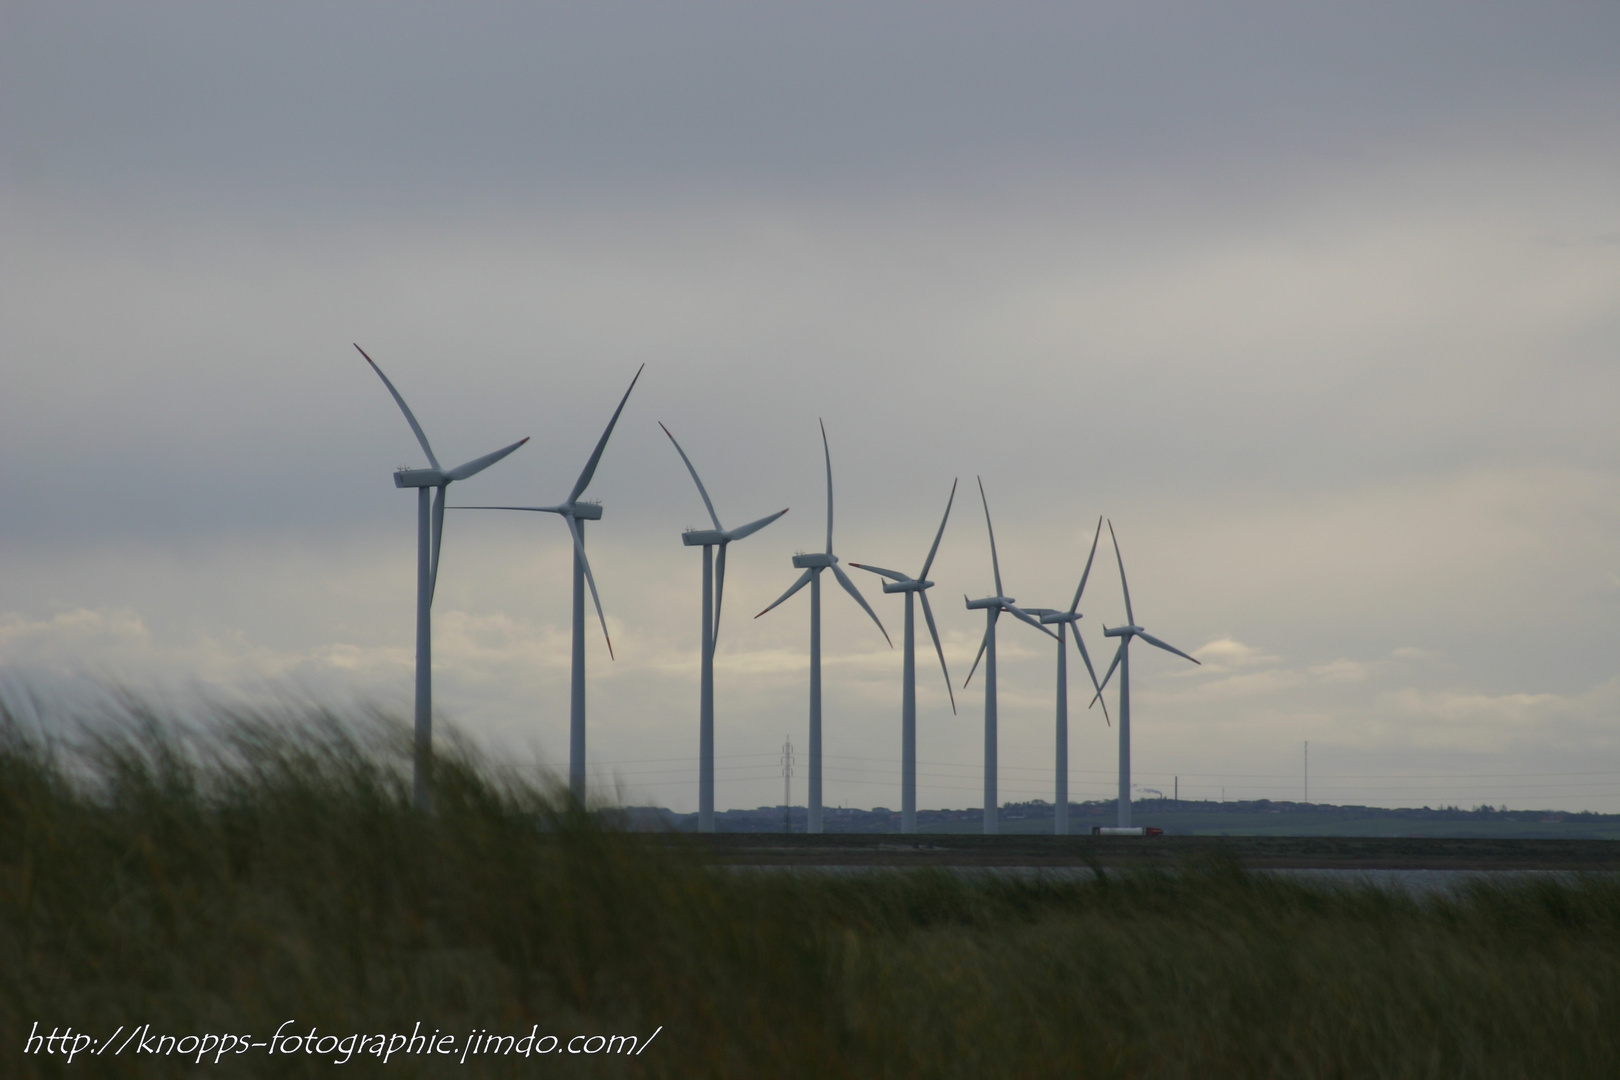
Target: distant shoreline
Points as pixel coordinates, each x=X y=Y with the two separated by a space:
x=1261 y=817
x=1169 y=852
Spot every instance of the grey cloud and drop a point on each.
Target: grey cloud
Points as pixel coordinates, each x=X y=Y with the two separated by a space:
x=307 y=101
x=1264 y=283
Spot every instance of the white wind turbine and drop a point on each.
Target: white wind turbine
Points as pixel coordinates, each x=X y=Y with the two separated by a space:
x=1122 y=661
x=914 y=587
x=714 y=588
x=992 y=606
x=1064 y=619
x=813 y=563
x=575 y=514
x=429 y=530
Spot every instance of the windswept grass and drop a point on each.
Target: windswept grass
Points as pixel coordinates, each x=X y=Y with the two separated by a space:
x=267 y=867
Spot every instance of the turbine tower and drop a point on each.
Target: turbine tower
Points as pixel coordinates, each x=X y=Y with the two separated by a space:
x=1122 y=661
x=714 y=588
x=576 y=513
x=813 y=564
x=992 y=606
x=1063 y=620
x=429 y=530
x=914 y=587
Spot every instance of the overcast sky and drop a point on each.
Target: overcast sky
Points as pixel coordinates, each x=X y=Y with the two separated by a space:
x=1318 y=304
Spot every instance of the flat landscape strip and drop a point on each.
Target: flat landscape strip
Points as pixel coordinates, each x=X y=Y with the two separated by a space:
x=1269 y=852
x=1409 y=882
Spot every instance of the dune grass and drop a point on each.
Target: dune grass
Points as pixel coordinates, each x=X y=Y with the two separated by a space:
x=229 y=876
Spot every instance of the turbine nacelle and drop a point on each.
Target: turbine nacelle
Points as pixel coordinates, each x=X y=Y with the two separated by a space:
x=898 y=582
x=1050 y=617
x=989 y=602
x=813 y=558
x=419 y=478
x=703 y=537
x=1122 y=631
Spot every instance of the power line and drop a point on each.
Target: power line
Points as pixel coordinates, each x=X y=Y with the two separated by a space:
x=1030 y=780
x=974 y=767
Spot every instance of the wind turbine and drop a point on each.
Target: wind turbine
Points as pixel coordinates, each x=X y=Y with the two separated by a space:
x=914 y=587
x=714 y=588
x=813 y=564
x=992 y=606
x=576 y=513
x=429 y=530
x=1063 y=619
x=1122 y=661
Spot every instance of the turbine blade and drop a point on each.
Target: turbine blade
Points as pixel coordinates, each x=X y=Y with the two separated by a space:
x=719 y=588
x=1074 y=607
x=536 y=509
x=438 y=536
x=601 y=444
x=1080 y=644
x=478 y=465
x=753 y=526
x=804 y=579
x=410 y=417
x=1019 y=613
x=983 y=645
x=928 y=616
x=994 y=562
x=590 y=579
x=935 y=549
x=892 y=575
x=849 y=587
x=1129 y=617
x=701 y=489
x=1119 y=652
x=1151 y=640
x=828 y=454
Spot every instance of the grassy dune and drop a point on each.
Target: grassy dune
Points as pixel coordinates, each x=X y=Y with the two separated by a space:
x=260 y=868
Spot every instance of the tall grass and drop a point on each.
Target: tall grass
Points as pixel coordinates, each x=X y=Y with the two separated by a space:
x=265 y=867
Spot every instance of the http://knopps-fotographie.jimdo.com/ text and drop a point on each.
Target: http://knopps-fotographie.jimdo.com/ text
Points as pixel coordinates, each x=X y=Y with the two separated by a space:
x=142 y=1041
